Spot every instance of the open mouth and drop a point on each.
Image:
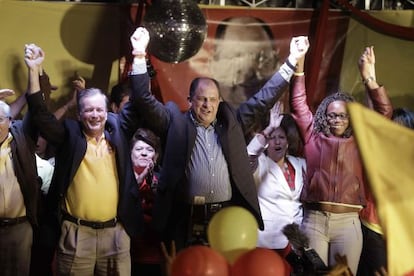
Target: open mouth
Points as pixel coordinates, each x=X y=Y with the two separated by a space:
x=277 y=149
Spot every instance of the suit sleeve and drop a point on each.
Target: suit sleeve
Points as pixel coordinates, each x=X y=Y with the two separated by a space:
x=47 y=124
x=256 y=107
x=154 y=114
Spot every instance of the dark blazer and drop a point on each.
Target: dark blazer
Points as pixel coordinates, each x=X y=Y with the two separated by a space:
x=70 y=143
x=24 y=164
x=178 y=134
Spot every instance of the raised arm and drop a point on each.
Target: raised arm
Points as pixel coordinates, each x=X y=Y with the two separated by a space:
x=259 y=142
x=298 y=100
x=78 y=85
x=250 y=112
x=377 y=97
x=156 y=117
x=17 y=105
x=43 y=119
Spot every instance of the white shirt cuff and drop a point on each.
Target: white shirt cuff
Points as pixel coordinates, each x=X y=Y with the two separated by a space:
x=286 y=72
x=255 y=147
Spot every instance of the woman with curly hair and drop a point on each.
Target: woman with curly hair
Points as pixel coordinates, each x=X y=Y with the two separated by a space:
x=334 y=190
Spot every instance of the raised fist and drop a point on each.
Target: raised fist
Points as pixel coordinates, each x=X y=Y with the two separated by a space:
x=139 y=41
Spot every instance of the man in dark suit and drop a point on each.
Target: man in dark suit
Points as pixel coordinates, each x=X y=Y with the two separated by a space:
x=92 y=192
x=19 y=191
x=205 y=160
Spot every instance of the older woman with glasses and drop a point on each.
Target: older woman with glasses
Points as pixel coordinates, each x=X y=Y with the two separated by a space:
x=334 y=191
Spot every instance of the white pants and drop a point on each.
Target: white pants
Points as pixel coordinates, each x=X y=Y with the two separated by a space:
x=331 y=233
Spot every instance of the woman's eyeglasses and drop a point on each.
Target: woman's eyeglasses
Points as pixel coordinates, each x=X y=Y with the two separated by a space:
x=341 y=116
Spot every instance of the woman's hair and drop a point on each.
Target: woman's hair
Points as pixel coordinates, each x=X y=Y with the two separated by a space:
x=294 y=140
x=320 y=118
x=147 y=136
x=403 y=116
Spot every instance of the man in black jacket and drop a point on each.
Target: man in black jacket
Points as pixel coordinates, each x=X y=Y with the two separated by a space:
x=19 y=191
x=205 y=159
x=92 y=195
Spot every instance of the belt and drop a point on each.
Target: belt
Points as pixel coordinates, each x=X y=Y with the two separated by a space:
x=204 y=212
x=91 y=224
x=332 y=208
x=4 y=222
x=215 y=207
x=201 y=215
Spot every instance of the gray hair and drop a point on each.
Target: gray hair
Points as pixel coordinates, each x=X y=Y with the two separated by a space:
x=89 y=92
x=5 y=108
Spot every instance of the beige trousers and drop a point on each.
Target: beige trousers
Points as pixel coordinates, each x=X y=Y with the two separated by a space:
x=86 y=251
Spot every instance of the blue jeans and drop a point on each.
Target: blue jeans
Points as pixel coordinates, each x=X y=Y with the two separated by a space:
x=331 y=233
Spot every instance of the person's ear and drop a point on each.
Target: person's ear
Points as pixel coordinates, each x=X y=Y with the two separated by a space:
x=190 y=104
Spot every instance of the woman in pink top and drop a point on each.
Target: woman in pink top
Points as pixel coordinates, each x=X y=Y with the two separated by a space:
x=334 y=191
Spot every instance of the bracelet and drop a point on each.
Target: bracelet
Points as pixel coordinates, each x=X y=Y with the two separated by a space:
x=299 y=74
x=290 y=65
x=368 y=80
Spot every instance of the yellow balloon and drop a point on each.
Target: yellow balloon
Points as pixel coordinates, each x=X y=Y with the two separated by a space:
x=232 y=231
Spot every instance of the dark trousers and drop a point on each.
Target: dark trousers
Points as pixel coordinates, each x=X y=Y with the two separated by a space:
x=15 y=249
x=374 y=253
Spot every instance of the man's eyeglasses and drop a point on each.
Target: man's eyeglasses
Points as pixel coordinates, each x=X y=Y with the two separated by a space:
x=3 y=119
x=341 y=116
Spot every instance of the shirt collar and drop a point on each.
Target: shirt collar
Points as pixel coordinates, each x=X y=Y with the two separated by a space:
x=92 y=139
x=197 y=124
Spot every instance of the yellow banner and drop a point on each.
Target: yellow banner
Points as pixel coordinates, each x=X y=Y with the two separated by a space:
x=387 y=151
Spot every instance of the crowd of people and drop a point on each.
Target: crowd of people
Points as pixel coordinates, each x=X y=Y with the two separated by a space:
x=124 y=177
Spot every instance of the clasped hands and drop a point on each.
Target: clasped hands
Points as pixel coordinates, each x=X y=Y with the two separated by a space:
x=139 y=41
x=299 y=46
x=33 y=56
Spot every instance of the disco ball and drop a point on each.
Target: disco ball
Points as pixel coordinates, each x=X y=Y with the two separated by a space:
x=177 y=29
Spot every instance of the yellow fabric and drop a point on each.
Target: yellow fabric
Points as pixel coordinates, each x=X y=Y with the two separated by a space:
x=387 y=151
x=373 y=227
x=93 y=193
x=11 y=202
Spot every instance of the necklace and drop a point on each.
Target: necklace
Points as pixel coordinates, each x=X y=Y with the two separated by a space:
x=289 y=174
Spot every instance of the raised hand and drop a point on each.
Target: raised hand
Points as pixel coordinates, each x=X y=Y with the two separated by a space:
x=79 y=83
x=275 y=117
x=5 y=93
x=139 y=41
x=33 y=56
x=299 y=46
x=366 y=63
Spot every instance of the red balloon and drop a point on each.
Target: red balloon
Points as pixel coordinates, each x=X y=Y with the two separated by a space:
x=199 y=260
x=259 y=261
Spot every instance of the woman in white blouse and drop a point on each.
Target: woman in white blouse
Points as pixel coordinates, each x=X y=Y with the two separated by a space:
x=279 y=172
